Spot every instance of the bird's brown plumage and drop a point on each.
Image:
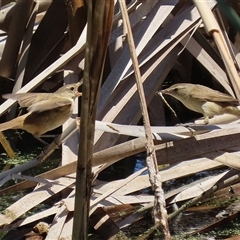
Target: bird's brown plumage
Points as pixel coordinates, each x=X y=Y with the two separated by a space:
x=46 y=111
x=204 y=100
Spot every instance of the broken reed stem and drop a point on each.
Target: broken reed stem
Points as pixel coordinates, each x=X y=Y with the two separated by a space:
x=99 y=16
x=159 y=209
x=213 y=29
x=231 y=177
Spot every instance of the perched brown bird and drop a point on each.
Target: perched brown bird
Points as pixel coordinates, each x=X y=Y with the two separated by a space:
x=46 y=111
x=204 y=100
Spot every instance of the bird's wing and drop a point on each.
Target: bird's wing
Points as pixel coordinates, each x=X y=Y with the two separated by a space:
x=213 y=96
x=28 y=99
x=39 y=102
x=49 y=104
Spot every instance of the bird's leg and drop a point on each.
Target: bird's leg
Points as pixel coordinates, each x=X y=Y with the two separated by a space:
x=206 y=119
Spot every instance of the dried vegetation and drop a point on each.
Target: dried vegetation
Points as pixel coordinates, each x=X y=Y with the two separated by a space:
x=43 y=44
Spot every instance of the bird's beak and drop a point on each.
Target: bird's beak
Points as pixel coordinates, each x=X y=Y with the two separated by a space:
x=165 y=91
x=77 y=93
x=162 y=92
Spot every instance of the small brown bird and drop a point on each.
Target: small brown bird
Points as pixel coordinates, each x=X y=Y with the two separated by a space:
x=46 y=111
x=204 y=100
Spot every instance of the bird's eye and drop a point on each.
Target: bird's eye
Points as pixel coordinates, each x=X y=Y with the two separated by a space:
x=71 y=88
x=175 y=89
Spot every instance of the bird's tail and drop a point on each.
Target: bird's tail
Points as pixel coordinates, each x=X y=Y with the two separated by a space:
x=12 y=124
